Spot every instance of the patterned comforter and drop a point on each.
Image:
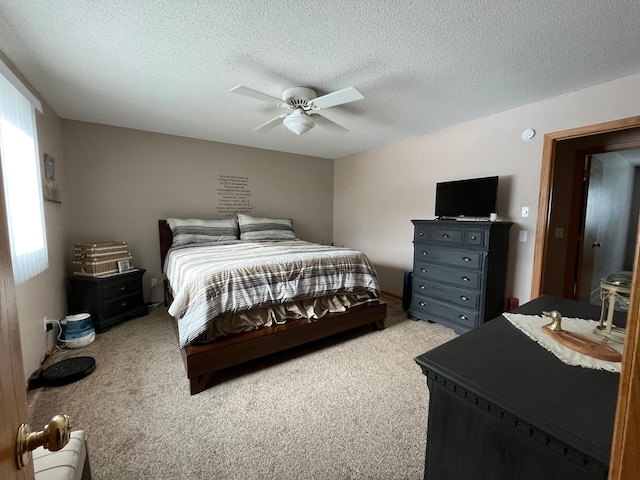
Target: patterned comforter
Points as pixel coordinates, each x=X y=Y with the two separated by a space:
x=215 y=279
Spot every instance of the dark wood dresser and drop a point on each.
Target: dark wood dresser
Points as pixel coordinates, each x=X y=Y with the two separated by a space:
x=459 y=271
x=503 y=407
x=109 y=300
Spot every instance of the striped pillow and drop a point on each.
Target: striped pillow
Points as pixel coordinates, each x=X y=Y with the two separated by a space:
x=257 y=228
x=193 y=230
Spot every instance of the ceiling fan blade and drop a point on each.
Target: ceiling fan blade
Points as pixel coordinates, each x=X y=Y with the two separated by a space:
x=268 y=125
x=339 y=97
x=250 y=92
x=326 y=123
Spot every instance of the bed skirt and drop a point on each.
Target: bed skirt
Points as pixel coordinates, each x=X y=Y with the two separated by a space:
x=312 y=308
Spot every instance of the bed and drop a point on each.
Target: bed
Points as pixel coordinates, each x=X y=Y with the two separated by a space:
x=211 y=337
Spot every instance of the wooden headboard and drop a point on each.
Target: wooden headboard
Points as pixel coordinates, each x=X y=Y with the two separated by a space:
x=166 y=240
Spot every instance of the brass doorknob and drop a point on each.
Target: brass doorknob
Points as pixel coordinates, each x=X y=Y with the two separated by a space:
x=54 y=437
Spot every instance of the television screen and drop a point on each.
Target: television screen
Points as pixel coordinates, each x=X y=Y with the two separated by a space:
x=474 y=197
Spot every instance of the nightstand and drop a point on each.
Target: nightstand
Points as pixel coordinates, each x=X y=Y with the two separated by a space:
x=109 y=300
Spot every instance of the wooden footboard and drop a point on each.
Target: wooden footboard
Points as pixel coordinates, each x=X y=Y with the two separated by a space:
x=203 y=361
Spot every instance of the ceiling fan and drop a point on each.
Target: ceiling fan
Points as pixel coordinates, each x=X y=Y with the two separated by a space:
x=300 y=101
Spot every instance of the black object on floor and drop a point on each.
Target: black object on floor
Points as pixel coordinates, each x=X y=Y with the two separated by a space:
x=63 y=372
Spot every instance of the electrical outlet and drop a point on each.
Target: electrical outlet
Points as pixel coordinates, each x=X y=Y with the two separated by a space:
x=154 y=282
x=48 y=324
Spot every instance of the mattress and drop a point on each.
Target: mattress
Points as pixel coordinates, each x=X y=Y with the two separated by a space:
x=221 y=288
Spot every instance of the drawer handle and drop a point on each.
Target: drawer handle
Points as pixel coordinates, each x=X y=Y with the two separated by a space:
x=473 y=237
x=463 y=317
x=423 y=270
x=463 y=298
x=423 y=287
x=445 y=235
x=422 y=304
x=466 y=279
x=123 y=304
x=122 y=289
x=421 y=234
x=466 y=259
x=424 y=253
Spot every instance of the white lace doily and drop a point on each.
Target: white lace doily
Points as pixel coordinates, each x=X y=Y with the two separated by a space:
x=531 y=325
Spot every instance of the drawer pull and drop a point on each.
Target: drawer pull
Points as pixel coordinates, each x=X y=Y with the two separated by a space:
x=421 y=234
x=465 y=279
x=466 y=259
x=445 y=235
x=463 y=317
x=423 y=270
x=423 y=287
x=123 y=304
x=424 y=253
x=122 y=289
x=422 y=304
x=463 y=298
x=473 y=237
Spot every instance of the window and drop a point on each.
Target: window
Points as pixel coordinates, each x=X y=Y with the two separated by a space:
x=22 y=185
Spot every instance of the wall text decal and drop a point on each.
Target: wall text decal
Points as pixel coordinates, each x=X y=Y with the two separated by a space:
x=234 y=195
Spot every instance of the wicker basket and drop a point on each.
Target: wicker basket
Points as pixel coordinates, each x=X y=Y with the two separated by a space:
x=101 y=266
x=99 y=249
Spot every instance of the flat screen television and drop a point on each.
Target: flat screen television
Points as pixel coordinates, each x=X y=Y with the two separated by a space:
x=473 y=197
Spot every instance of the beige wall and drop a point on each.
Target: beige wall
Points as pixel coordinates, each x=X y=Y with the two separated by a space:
x=120 y=182
x=378 y=192
x=44 y=294
x=117 y=183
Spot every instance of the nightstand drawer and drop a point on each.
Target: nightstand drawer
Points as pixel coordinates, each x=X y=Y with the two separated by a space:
x=120 y=288
x=466 y=298
x=122 y=305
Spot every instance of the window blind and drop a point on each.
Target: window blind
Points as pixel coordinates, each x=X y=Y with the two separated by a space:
x=22 y=183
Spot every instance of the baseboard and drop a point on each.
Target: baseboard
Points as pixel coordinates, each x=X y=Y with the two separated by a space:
x=392 y=295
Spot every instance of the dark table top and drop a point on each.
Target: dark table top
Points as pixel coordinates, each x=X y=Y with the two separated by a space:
x=501 y=365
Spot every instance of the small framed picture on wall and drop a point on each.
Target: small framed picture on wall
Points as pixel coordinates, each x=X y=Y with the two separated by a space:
x=49 y=167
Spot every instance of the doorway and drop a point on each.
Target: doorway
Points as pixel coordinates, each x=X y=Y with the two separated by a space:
x=595 y=236
x=612 y=136
x=573 y=222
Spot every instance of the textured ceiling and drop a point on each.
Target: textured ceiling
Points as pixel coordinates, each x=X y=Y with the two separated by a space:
x=168 y=65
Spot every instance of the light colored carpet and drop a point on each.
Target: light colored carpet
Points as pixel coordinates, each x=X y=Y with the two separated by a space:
x=350 y=407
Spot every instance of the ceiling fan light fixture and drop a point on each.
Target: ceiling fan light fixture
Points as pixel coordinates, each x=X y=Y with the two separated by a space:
x=299 y=122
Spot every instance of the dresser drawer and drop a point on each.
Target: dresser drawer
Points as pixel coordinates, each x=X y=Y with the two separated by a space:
x=438 y=273
x=466 y=298
x=459 y=258
x=446 y=235
x=446 y=312
x=475 y=238
x=122 y=305
x=451 y=236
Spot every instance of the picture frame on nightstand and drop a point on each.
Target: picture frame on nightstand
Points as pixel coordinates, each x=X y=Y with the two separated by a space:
x=123 y=266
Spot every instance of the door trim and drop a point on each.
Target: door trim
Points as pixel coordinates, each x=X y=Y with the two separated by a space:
x=624 y=463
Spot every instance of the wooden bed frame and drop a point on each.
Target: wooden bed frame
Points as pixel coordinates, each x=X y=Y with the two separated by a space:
x=202 y=362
